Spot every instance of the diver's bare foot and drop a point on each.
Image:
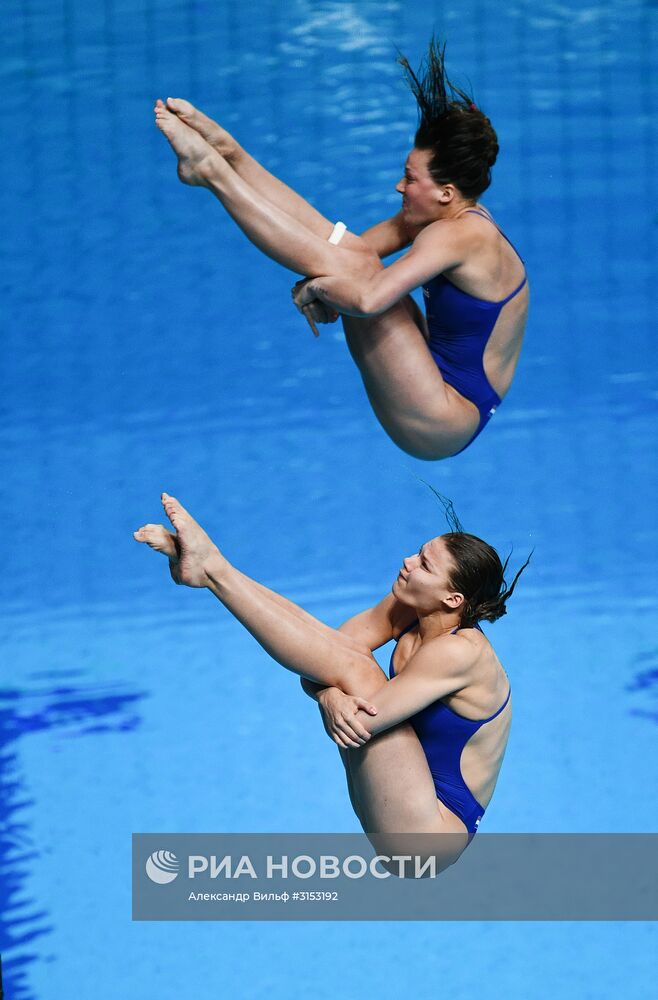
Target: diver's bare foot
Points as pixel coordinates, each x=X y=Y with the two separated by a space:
x=214 y=134
x=196 y=159
x=194 y=560
x=157 y=536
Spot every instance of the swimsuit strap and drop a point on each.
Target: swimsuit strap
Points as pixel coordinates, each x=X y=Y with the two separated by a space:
x=480 y=211
x=491 y=717
x=481 y=722
x=516 y=291
x=478 y=722
x=407 y=629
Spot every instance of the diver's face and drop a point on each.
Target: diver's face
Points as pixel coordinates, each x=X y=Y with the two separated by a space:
x=421 y=195
x=424 y=579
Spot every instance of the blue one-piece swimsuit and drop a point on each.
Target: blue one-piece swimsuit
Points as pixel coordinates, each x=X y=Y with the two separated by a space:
x=459 y=329
x=443 y=734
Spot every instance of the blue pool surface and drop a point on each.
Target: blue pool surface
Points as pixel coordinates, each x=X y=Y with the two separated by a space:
x=147 y=347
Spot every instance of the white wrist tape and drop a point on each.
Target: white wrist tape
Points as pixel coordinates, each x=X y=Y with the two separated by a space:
x=337 y=234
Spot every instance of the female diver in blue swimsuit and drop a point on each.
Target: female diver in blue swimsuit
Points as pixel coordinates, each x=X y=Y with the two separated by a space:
x=441 y=721
x=435 y=383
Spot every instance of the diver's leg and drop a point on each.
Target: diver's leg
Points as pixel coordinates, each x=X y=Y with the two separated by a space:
x=420 y=412
x=392 y=792
x=351 y=791
x=275 y=232
x=311 y=690
x=397 y=804
x=300 y=644
x=164 y=541
x=250 y=170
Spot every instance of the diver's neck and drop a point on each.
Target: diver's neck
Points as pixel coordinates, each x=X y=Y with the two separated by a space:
x=436 y=624
x=457 y=208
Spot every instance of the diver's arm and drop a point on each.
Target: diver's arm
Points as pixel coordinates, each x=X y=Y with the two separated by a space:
x=376 y=626
x=440 y=246
x=389 y=236
x=340 y=713
x=441 y=667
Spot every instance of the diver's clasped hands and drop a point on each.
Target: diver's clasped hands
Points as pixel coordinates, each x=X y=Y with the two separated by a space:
x=339 y=715
x=313 y=309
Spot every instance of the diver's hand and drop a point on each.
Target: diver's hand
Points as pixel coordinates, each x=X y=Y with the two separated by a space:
x=313 y=309
x=302 y=293
x=339 y=712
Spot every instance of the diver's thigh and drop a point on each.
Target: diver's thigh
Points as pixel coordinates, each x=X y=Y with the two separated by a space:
x=421 y=414
x=393 y=784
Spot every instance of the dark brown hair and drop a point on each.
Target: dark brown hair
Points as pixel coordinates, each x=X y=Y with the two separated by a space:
x=460 y=137
x=479 y=575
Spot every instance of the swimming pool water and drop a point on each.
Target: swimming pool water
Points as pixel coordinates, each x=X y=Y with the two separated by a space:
x=148 y=346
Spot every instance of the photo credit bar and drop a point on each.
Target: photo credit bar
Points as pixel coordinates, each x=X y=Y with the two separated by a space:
x=338 y=876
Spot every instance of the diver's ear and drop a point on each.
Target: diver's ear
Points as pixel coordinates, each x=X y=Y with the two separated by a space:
x=445 y=193
x=455 y=601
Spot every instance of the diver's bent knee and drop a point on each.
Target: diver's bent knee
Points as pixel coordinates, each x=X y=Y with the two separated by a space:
x=362 y=256
x=366 y=676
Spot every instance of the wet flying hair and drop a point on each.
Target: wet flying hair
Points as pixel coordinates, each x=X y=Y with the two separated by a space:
x=448 y=508
x=460 y=137
x=478 y=572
